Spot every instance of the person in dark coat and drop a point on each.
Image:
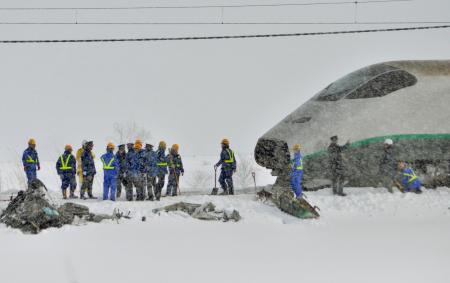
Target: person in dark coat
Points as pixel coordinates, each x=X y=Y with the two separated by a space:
x=388 y=165
x=88 y=166
x=129 y=158
x=336 y=164
x=30 y=161
x=161 y=168
x=228 y=165
x=121 y=177
x=150 y=171
x=66 y=167
x=136 y=169
x=176 y=170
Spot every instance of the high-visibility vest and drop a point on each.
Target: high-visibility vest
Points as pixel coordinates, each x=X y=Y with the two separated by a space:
x=161 y=164
x=300 y=166
x=108 y=166
x=411 y=177
x=30 y=160
x=64 y=164
x=231 y=155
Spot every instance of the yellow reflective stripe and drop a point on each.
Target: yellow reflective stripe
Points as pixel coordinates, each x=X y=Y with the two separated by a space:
x=30 y=159
x=64 y=164
x=108 y=167
x=231 y=154
x=162 y=164
x=412 y=176
x=300 y=167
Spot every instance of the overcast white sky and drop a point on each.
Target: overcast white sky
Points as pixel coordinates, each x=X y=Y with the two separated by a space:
x=194 y=92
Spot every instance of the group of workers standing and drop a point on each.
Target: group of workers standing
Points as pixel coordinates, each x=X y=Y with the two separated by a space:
x=134 y=167
x=389 y=168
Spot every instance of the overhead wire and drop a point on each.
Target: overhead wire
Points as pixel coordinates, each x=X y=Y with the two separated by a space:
x=204 y=6
x=221 y=37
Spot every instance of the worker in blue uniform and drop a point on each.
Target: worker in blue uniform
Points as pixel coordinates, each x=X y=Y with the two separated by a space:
x=228 y=165
x=410 y=181
x=30 y=161
x=66 y=167
x=296 y=173
x=110 y=173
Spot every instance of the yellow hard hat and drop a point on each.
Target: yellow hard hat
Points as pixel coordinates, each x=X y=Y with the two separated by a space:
x=297 y=147
x=175 y=147
x=138 y=145
x=162 y=144
x=138 y=141
x=68 y=147
x=110 y=145
x=32 y=142
x=225 y=142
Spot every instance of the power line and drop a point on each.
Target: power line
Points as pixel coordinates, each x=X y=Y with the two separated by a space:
x=204 y=6
x=226 y=23
x=222 y=36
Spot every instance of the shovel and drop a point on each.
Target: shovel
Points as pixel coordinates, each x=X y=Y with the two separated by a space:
x=215 y=190
x=254 y=180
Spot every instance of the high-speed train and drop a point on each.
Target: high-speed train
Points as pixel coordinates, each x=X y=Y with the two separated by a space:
x=406 y=101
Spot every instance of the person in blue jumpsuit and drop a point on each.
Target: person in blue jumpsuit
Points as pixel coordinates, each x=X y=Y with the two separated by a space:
x=227 y=163
x=297 y=171
x=161 y=168
x=175 y=165
x=150 y=171
x=66 y=167
x=410 y=181
x=110 y=173
x=30 y=161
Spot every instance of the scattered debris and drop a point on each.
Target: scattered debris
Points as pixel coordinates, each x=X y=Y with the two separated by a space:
x=206 y=211
x=284 y=199
x=31 y=212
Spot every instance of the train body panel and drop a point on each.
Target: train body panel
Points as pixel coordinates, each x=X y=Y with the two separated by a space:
x=405 y=100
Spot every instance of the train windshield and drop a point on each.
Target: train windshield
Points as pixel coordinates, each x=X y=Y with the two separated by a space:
x=350 y=82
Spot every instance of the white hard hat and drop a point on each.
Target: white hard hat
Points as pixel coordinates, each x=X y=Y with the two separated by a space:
x=83 y=143
x=388 y=142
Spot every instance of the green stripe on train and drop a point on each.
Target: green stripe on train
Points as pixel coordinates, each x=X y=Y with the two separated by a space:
x=382 y=138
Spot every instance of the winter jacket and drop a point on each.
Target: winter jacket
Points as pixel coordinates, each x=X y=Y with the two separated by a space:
x=135 y=162
x=87 y=163
x=174 y=162
x=66 y=164
x=161 y=162
x=111 y=165
x=388 y=164
x=122 y=160
x=297 y=164
x=335 y=160
x=30 y=159
x=150 y=163
x=129 y=158
x=227 y=160
x=410 y=179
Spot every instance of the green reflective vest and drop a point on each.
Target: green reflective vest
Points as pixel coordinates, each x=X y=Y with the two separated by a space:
x=231 y=155
x=108 y=166
x=65 y=163
x=30 y=160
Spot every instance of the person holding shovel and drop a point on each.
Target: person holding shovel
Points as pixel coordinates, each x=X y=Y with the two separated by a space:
x=228 y=167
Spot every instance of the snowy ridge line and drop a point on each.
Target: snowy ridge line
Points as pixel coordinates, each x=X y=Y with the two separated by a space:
x=224 y=36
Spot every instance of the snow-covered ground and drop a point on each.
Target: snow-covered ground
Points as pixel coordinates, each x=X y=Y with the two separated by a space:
x=368 y=236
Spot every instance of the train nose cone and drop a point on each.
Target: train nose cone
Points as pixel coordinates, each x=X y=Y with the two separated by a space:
x=273 y=154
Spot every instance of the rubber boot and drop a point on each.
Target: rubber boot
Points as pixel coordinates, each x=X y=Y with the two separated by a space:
x=64 y=192
x=72 y=195
x=224 y=193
